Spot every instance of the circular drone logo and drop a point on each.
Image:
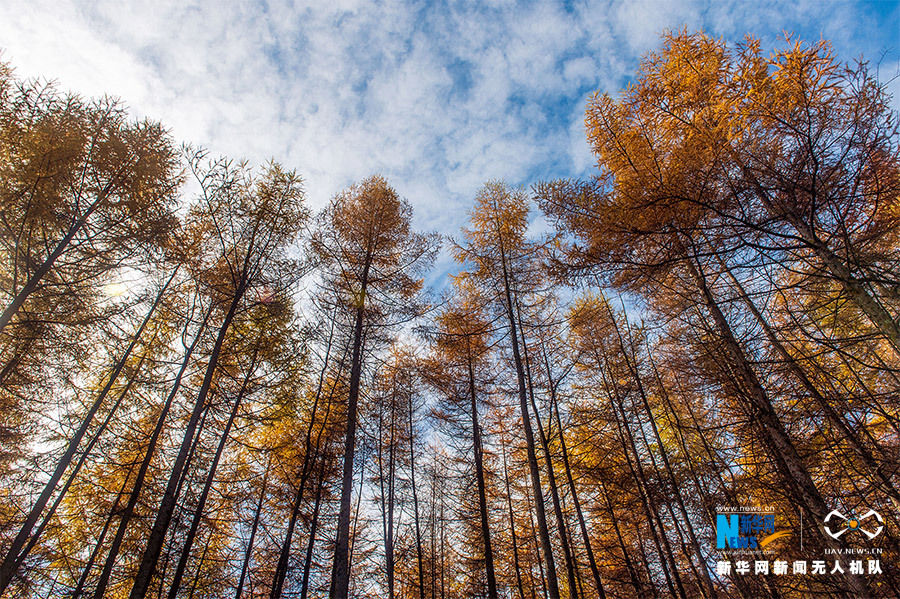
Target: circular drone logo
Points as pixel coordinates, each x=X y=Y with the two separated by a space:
x=852 y=522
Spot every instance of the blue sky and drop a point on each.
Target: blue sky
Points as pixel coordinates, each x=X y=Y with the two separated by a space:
x=438 y=97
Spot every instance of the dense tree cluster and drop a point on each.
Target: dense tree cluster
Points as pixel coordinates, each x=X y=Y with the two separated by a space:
x=227 y=395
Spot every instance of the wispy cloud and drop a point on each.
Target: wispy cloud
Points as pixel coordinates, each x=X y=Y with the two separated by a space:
x=438 y=97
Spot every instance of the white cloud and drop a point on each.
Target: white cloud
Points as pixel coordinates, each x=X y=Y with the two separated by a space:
x=640 y=22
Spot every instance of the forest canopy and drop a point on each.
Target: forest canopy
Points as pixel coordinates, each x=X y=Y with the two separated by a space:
x=222 y=392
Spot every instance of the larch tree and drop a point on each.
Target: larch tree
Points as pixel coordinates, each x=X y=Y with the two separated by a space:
x=457 y=369
x=502 y=263
x=371 y=257
x=317 y=421
x=249 y=222
x=86 y=193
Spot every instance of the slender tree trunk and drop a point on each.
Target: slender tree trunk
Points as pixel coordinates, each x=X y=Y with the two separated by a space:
x=660 y=540
x=86 y=572
x=353 y=535
x=433 y=526
x=245 y=566
x=557 y=506
x=389 y=538
x=386 y=498
x=582 y=525
x=313 y=529
x=712 y=457
x=196 y=579
x=479 y=479
x=185 y=474
x=629 y=566
x=415 y=494
x=678 y=428
x=443 y=551
x=309 y=457
x=285 y=553
x=150 y=557
x=35 y=537
x=676 y=524
x=211 y=476
x=512 y=528
x=781 y=447
x=537 y=548
x=836 y=419
x=340 y=574
x=14 y=555
x=708 y=588
x=551 y=477
x=552 y=581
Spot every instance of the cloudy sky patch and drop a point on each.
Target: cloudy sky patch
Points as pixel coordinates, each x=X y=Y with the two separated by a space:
x=438 y=97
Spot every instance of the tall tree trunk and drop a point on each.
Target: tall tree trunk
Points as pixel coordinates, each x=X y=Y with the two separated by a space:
x=433 y=526
x=86 y=572
x=551 y=476
x=537 y=548
x=391 y=501
x=309 y=456
x=582 y=525
x=443 y=522
x=353 y=533
x=552 y=581
x=512 y=528
x=295 y=510
x=340 y=574
x=781 y=447
x=657 y=530
x=196 y=580
x=659 y=475
x=479 y=479
x=415 y=494
x=35 y=537
x=185 y=474
x=386 y=496
x=313 y=529
x=701 y=489
x=711 y=456
x=248 y=553
x=210 y=477
x=629 y=566
x=631 y=362
x=831 y=414
x=14 y=554
x=150 y=557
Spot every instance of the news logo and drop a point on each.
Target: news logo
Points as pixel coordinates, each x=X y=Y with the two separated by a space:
x=753 y=530
x=843 y=524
